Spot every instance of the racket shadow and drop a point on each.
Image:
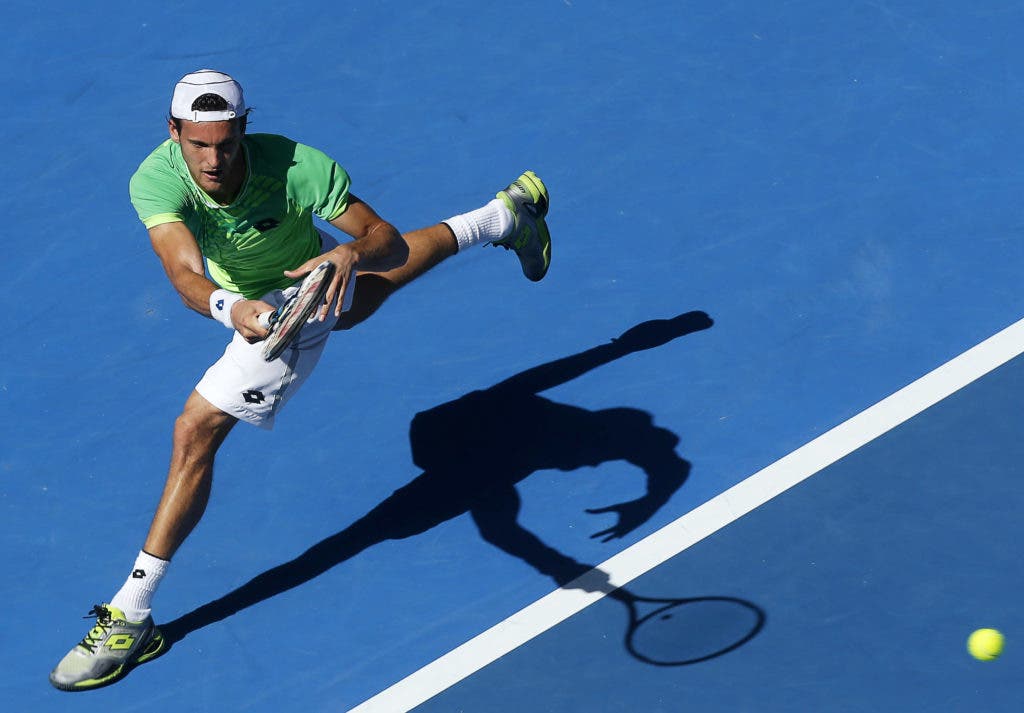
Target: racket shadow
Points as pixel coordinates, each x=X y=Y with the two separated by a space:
x=477 y=473
x=666 y=631
x=681 y=632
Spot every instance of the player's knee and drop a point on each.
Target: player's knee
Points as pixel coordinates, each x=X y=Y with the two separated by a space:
x=196 y=427
x=187 y=428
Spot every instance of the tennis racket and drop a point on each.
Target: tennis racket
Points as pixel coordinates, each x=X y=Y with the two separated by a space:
x=285 y=323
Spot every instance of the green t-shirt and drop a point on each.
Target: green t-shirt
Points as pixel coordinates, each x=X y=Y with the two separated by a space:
x=269 y=226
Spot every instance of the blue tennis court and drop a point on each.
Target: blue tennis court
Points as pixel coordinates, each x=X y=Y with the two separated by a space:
x=593 y=492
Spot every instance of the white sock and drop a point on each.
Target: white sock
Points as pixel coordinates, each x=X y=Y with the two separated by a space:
x=135 y=596
x=483 y=225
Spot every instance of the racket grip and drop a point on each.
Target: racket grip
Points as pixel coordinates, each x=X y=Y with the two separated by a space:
x=264 y=319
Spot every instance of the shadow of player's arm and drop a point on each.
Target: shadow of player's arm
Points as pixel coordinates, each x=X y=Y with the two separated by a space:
x=646 y=335
x=497 y=520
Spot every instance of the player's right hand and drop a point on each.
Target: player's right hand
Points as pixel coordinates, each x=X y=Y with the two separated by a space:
x=245 y=316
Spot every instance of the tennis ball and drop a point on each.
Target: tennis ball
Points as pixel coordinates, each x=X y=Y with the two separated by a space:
x=985 y=644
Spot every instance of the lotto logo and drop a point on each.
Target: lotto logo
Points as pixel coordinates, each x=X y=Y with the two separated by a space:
x=267 y=224
x=220 y=304
x=120 y=642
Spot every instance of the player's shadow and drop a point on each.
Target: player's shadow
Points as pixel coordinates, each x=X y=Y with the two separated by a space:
x=474 y=451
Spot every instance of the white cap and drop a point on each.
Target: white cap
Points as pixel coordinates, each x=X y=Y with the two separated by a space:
x=207 y=81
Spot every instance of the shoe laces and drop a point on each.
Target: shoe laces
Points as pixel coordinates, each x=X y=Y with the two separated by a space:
x=96 y=634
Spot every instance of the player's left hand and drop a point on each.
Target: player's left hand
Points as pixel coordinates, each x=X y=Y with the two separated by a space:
x=344 y=259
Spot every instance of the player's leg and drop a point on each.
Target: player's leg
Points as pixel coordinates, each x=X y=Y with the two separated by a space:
x=239 y=386
x=124 y=634
x=198 y=433
x=514 y=220
x=427 y=248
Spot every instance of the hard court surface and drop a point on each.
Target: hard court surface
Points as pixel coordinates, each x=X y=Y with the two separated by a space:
x=767 y=218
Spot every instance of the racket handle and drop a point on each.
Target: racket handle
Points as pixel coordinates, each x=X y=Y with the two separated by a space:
x=265 y=319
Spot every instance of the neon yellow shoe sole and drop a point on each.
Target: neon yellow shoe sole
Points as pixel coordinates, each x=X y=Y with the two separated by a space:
x=527 y=199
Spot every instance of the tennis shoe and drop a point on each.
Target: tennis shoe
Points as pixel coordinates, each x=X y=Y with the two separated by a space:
x=527 y=198
x=109 y=651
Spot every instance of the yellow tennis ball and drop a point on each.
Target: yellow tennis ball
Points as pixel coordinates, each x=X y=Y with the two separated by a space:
x=985 y=644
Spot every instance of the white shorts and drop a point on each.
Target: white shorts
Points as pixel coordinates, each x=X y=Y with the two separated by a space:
x=245 y=386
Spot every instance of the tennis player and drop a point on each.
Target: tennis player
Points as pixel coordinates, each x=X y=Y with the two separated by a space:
x=230 y=216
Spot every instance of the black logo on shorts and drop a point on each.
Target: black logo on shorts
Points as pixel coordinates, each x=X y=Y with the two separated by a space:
x=139 y=574
x=266 y=224
x=252 y=396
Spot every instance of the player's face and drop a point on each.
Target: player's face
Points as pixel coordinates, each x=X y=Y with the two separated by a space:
x=213 y=153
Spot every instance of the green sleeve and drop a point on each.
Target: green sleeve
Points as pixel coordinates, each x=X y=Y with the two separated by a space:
x=317 y=181
x=157 y=191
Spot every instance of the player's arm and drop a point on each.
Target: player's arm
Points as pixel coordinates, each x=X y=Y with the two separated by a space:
x=377 y=247
x=182 y=260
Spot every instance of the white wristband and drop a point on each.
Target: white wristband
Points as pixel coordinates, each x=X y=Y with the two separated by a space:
x=221 y=302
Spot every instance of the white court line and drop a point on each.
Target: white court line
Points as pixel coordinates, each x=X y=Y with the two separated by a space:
x=697 y=524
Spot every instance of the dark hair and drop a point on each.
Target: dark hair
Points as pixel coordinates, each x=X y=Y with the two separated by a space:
x=213 y=102
x=209 y=102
